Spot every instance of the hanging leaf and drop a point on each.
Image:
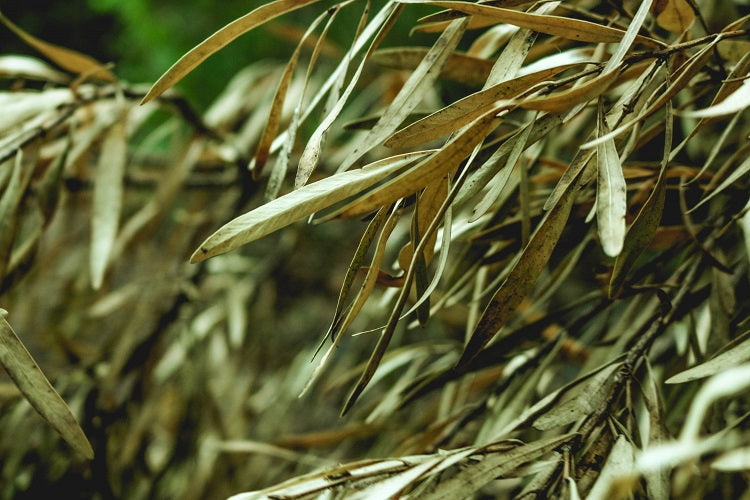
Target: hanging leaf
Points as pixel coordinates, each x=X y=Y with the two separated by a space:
x=221 y=39
x=611 y=201
x=70 y=60
x=733 y=103
x=35 y=387
x=674 y=15
x=299 y=204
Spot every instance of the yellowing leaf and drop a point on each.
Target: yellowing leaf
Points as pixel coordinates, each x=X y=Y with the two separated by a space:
x=674 y=15
x=65 y=58
x=30 y=380
x=221 y=39
x=459 y=67
x=298 y=204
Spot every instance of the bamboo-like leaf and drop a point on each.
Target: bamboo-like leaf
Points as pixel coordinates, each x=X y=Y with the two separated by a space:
x=568 y=99
x=642 y=231
x=611 y=201
x=277 y=106
x=221 y=39
x=65 y=58
x=9 y=205
x=494 y=465
x=458 y=68
x=737 y=354
x=612 y=481
x=522 y=277
x=579 y=401
x=565 y=27
x=30 y=380
x=17 y=66
x=464 y=111
x=107 y=200
x=311 y=154
x=674 y=15
x=437 y=165
x=298 y=204
x=733 y=103
x=411 y=94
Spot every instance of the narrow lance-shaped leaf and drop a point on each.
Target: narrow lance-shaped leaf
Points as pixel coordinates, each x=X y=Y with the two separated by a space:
x=462 y=112
x=274 y=116
x=30 y=380
x=9 y=205
x=522 y=277
x=311 y=154
x=567 y=99
x=65 y=58
x=220 y=39
x=107 y=200
x=437 y=165
x=298 y=204
x=644 y=226
x=611 y=201
x=565 y=27
x=735 y=355
x=733 y=103
x=411 y=94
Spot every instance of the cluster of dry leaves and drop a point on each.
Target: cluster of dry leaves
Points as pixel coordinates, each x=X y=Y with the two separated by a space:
x=553 y=207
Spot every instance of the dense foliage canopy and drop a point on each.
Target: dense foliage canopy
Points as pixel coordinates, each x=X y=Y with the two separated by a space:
x=533 y=217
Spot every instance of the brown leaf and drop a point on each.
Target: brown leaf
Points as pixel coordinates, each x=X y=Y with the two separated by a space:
x=674 y=15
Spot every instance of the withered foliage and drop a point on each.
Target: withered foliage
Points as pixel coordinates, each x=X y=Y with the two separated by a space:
x=545 y=266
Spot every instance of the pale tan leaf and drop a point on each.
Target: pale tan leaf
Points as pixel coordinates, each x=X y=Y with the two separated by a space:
x=459 y=67
x=616 y=478
x=298 y=204
x=219 y=40
x=311 y=154
x=611 y=200
x=567 y=99
x=17 y=66
x=733 y=103
x=411 y=94
x=10 y=202
x=107 y=200
x=437 y=165
x=35 y=387
x=65 y=58
x=464 y=111
x=277 y=106
x=573 y=29
x=738 y=353
x=674 y=15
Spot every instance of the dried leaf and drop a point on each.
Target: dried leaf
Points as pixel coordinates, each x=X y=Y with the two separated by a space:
x=611 y=201
x=567 y=99
x=411 y=94
x=617 y=478
x=299 y=204
x=643 y=228
x=30 y=380
x=459 y=67
x=436 y=166
x=65 y=58
x=674 y=15
x=23 y=167
x=17 y=66
x=464 y=111
x=579 y=400
x=737 y=354
x=107 y=200
x=219 y=40
x=733 y=103
x=522 y=276
x=565 y=27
